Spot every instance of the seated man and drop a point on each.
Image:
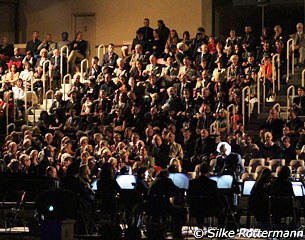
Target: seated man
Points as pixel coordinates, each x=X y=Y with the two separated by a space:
x=78 y=49
x=205 y=187
x=56 y=68
x=48 y=44
x=33 y=44
x=299 y=43
x=6 y=49
x=110 y=58
x=227 y=162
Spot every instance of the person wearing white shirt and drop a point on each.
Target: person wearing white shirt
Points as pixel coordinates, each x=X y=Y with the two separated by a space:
x=19 y=96
x=27 y=74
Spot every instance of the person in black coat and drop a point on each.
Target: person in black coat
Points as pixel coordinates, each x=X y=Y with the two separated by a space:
x=299 y=101
x=204 y=146
x=228 y=162
x=160 y=151
x=259 y=198
x=160 y=192
x=203 y=186
x=281 y=193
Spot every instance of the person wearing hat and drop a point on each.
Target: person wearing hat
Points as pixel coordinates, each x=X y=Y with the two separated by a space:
x=227 y=162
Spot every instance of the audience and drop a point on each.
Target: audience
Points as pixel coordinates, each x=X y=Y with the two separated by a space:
x=149 y=113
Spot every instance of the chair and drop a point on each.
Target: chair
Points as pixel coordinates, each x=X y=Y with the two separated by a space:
x=248 y=177
x=254 y=162
x=295 y=164
x=274 y=163
x=259 y=169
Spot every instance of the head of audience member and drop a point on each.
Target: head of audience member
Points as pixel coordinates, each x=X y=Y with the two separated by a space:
x=174 y=166
x=205 y=169
x=301 y=91
x=146 y=22
x=64 y=36
x=110 y=48
x=300 y=27
x=35 y=35
x=187 y=62
x=79 y=36
x=284 y=172
x=51 y=172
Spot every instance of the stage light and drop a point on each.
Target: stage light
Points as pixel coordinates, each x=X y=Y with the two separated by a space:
x=51 y=208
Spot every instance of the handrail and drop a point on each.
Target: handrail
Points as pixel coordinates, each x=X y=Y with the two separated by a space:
x=7 y=99
x=64 y=83
x=82 y=67
x=292 y=90
x=303 y=78
x=99 y=53
x=278 y=107
x=243 y=104
x=264 y=91
x=290 y=42
x=27 y=115
x=9 y=126
x=47 y=93
x=258 y=84
x=62 y=60
x=228 y=116
x=274 y=72
x=44 y=77
x=214 y=124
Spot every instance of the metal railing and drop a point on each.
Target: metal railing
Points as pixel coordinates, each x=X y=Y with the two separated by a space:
x=27 y=115
x=248 y=90
x=52 y=94
x=290 y=44
x=277 y=106
x=62 y=60
x=215 y=125
x=258 y=94
x=290 y=89
x=99 y=53
x=8 y=128
x=303 y=78
x=82 y=67
x=231 y=106
x=276 y=72
x=44 y=77
x=7 y=100
x=64 y=80
x=264 y=91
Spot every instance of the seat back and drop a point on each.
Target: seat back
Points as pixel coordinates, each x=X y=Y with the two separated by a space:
x=248 y=177
x=296 y=163
x=254 y=162
x=274 y=163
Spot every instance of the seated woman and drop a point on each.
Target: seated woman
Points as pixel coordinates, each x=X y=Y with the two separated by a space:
x=12 y=76
x=259 y=198
x=171 y=44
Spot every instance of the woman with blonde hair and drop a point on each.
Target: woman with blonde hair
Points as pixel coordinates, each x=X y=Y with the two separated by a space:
x=234 y=70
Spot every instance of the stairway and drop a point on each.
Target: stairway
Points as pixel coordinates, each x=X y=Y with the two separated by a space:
x=46 y=105
x=256 y=122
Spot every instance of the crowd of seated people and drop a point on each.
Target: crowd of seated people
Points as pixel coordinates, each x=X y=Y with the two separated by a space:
x=151 y=109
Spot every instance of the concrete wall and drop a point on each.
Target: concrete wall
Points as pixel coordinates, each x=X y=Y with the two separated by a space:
x=116 y=20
